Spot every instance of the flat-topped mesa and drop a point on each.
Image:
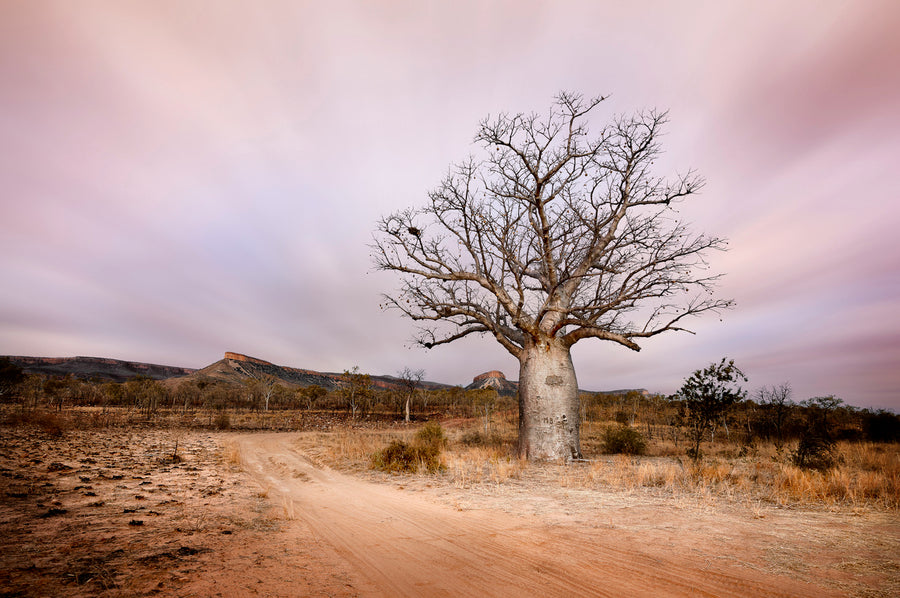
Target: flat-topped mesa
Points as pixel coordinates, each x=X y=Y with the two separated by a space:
x=247 y=358
x=486 y=375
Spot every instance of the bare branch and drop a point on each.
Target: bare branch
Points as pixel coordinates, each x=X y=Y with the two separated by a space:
x=552 y=233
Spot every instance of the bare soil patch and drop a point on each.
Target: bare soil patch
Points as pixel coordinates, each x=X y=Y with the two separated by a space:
x=112 y=513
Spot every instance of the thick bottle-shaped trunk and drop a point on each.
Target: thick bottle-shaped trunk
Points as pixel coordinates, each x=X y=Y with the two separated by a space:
x=549 y=412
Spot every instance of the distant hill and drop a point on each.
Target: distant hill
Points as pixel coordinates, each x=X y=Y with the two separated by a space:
x=496 y=380
x=233 y=368
x=236 y=368
x=102 y=368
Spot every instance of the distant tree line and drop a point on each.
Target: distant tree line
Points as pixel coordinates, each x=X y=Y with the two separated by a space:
x=769 y=414
x=712 y=406
x=356 y=394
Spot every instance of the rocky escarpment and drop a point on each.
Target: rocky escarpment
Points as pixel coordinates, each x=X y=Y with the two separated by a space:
x=101 y=368
x=493 y=374
x=246 y=358
x=237 y=367
x=496 y=380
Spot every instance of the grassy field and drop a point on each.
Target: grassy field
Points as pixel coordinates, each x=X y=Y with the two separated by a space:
x=865 y=475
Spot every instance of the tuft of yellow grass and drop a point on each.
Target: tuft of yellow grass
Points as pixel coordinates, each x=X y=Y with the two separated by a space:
x=231 y=452
x=630 y=473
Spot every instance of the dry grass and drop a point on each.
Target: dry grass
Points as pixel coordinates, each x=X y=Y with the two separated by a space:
x=231 y=453
x=348 y=449
x=467 y=465
x=868 y=474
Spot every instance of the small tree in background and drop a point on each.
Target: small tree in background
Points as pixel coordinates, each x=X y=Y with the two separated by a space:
x=113 y=394
x=485 y=402
x=776 y=400
x=409 y=384
x=186 y=394
x=311 y=395
x=57 y=390
x=260 y=390
x=356 y=390
x=707 y=395
x=268 y=386
x=816 y=449
x=819 y=408
x=145 y=394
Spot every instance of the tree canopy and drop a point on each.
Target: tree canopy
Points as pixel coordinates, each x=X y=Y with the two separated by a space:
x=552 y=231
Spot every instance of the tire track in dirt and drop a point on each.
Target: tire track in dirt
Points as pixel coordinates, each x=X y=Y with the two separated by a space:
x=404 y=545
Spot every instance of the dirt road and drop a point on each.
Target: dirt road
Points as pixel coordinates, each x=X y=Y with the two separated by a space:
x=398 y=543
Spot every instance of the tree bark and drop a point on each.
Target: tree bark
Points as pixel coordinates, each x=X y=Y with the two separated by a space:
x=548 y=403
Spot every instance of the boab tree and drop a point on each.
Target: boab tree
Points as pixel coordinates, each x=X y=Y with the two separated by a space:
x=553 y=235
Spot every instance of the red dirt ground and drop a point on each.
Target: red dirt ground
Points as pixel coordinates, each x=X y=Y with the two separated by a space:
x=111 y=513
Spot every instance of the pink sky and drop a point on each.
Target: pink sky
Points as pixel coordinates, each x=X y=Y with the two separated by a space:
x=185 y=178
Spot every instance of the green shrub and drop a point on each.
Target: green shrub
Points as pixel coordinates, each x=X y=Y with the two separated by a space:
x=222 y=422
x=430 y=458
x=397 y=457
x=473 y=438
x=815 y=451
x=431 y=435
x=423 y=453
x=624 y=440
